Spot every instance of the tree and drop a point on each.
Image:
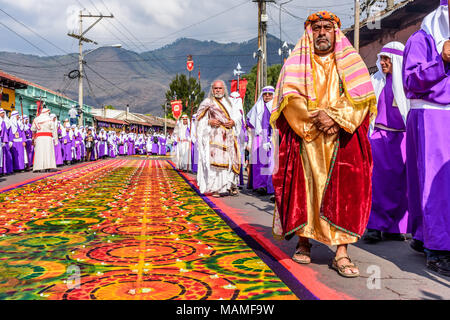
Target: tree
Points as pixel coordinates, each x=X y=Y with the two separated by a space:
x=110 y=107
x=187 y=90
x=273 y=73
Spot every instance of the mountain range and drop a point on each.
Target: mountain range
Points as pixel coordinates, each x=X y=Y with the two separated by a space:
x=121 y=77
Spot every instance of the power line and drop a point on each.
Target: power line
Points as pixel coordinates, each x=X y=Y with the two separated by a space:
x=28 y=28
x=157 y=60
x=29 y=42
x=160 y=63
x=322 y=7
x=90 y=89
x=204 y=20
x=113 y=84
x=12 y=64
x=282 y=31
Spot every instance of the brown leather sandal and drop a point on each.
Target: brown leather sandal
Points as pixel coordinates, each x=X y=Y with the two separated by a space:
x=342 y=269
x=302 y=253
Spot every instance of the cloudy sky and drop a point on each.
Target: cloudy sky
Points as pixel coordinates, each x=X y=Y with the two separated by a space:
x=41 y=27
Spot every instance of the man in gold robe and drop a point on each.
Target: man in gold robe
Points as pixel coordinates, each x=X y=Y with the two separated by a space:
x=322 y=108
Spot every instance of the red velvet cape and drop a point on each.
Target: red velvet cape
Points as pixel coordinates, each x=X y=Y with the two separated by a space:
x=348 y=195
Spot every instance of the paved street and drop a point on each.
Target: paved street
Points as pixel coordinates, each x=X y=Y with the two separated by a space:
x=134 y=228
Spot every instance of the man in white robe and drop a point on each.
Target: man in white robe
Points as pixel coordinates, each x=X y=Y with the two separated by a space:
x=44 y=133
x=183 y=139
x=219 y=157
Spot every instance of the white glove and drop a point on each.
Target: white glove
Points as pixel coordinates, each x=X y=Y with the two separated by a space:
x=3 y=144
x=267 y=146
x=10 y=144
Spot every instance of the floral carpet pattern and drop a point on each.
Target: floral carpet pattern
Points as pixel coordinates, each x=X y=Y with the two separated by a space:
x=123 y=229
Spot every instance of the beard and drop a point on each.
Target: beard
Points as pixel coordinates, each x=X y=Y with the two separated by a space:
x=322 y=46
x=219 y=95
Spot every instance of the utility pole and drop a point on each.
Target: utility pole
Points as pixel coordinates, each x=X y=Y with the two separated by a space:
x=165 y=119
x=356 y=31
x=390 y=4
x=262 y=43
x=82 y=39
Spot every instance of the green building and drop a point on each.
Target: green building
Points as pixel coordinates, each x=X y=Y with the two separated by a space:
x=58 y=103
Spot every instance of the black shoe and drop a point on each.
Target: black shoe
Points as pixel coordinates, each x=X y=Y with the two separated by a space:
x=272 y=199
x=261 y=191
x=417 y=245
x=440 y=265
x=394 y=236
x=372 y=236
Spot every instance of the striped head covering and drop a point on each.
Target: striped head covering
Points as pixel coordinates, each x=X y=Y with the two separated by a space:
x=297 y=76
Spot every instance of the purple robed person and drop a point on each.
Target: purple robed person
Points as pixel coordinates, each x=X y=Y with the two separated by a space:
x=18 y=145
x=102 y=144
x=75 y=143
x=236 y=100
x=57 y=143
x=122 y=143
x=111 y=145
x=82 y=144
x=59 y=148
x=155 y=147
x=95 y=149
x=258 y=119
x=78 y=144
x=162 y=146
x=6 y=140
x=426 y=78
x=130 y=144
x=388 y=141
x=67 y=143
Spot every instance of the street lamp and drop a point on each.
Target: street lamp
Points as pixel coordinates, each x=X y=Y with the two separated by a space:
x=284 y=51
x=237 y=72
x=107 y=46
x=81 y=61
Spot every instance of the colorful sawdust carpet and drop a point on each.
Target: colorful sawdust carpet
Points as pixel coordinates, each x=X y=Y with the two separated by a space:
x=123 y=229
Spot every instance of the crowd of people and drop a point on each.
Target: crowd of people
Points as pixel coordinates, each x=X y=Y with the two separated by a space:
x=344 y=153
x=47 y=143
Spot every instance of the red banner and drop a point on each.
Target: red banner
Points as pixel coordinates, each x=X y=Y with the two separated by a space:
x=177 y=108
x=242 y=87
x=190 y=65
x=39 y=107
